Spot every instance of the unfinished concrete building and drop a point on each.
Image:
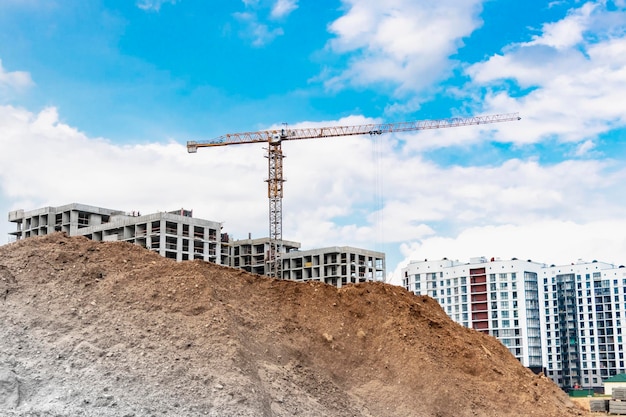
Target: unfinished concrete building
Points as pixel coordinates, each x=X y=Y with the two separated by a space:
x=337 y=265
x=176 y=234
x=252 y=254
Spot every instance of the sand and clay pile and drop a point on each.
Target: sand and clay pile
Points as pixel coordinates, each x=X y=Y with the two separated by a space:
x=111 y=329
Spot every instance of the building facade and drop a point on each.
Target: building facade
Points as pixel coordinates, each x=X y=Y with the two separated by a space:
x=176 y=234
x=253 y=255
x=565 y=321
x=583 y=311
x=499 y=298
x=337 y=266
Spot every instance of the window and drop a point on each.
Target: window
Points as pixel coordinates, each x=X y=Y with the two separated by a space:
x=83 y=219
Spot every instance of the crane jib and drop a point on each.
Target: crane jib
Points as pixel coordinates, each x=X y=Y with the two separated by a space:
x=275 y=136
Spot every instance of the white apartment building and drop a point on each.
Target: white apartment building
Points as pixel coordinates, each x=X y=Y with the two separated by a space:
x=583 y=309
x=499 y=298
x=563 y=320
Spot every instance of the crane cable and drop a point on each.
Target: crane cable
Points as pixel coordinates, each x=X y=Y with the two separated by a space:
x=378 y=228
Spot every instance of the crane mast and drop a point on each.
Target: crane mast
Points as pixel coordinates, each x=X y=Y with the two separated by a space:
x=275 y=182
x=274 y=139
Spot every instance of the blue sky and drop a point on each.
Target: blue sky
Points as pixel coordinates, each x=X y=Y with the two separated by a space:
x=98 y=98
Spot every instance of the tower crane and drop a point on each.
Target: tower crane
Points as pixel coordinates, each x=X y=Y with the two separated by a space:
x=274 y=139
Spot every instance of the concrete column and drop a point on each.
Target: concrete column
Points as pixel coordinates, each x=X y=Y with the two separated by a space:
x=162 y=237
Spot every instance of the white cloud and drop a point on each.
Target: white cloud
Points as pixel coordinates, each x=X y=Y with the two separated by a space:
x=574 y=77
x=283 y=8
x=551 y=241
x=260 y=33
x=255 y=28
x=402 y=43
x=584 y=148
x=13 y=80
x=154 y=5
x=567 y=32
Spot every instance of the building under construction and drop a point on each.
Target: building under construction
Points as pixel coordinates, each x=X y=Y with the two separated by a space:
x=180 y=236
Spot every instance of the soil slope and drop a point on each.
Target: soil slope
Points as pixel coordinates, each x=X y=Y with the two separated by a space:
x=111 y=329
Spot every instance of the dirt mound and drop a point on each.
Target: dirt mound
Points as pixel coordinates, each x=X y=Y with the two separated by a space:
x=110 y=329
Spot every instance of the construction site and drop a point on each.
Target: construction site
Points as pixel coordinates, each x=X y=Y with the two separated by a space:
x=107 y=313
x=277 y=208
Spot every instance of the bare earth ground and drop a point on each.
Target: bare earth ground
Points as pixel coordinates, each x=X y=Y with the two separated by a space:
x=111 y=329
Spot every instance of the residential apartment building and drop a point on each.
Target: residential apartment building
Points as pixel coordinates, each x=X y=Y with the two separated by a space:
x=499 y=298
x=563 y=320
x=253 y=255
x=583 y=312
x=176 y=234
x=337 y=265
x=180 y=236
